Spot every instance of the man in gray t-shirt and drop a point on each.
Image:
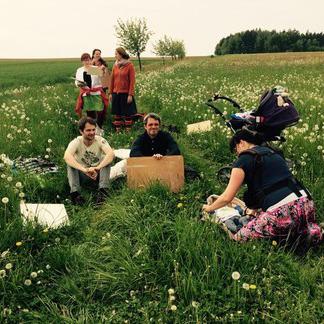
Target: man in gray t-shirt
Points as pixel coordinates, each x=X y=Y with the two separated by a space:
x=88 y=157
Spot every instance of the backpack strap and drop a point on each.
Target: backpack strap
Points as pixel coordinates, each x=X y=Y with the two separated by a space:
x=291 y=182
x=257 y=164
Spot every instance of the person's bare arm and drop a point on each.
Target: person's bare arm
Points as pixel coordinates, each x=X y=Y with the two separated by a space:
x=72 y=162
x=235 y=182
x=109 y=157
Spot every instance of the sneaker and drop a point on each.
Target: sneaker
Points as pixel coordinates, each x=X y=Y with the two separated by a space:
x=77 y=199
x=101 y=196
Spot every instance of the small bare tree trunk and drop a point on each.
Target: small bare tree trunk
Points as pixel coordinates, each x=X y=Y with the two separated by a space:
x=139 y=60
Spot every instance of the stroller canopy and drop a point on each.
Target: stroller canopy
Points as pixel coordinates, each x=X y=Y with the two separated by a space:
x=276 y=111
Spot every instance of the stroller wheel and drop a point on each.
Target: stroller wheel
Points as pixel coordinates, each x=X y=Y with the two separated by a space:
x=223 y=174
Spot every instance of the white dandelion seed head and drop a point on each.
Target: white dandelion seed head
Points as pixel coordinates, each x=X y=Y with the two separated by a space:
x=8 y=266
x=4 y=253
x=236 y=275
x=33 y=274
x=5 y=200
x=6 y=312
x=171 y=291
x=27 y=282
x=194 y=304
x=18 y=185
x=173 y=308
x=246 y=286
x=2 y=273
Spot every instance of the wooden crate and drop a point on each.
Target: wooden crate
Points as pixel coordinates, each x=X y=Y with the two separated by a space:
x=143 y=171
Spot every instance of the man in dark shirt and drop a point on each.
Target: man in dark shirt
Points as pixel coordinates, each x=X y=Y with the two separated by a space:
x=154 y=142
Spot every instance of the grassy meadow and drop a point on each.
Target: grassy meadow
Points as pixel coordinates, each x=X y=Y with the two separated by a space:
x=144 y=256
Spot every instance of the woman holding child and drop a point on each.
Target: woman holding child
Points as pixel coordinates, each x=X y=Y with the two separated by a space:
x=98 y=61
x=282 y=207
x=92 y=99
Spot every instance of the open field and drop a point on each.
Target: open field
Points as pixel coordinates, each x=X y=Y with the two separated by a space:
x=117 y=263
x=51 y=71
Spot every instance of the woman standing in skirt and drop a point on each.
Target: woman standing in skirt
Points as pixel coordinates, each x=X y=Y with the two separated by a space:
x=92 y=99
x=121 y=91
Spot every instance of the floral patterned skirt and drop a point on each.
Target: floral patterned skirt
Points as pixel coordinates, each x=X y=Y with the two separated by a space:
x=294 y=220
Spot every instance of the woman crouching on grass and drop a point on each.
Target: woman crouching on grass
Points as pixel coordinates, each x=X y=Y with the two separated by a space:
x=283 y=209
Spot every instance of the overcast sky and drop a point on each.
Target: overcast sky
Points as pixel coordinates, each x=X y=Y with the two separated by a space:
x=67 y=28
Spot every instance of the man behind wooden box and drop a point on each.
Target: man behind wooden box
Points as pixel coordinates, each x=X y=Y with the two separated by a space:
x=154 y=142
x=167 y=163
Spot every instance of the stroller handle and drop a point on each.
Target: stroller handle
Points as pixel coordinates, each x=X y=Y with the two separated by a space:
x=233 y=102
x=218 y=112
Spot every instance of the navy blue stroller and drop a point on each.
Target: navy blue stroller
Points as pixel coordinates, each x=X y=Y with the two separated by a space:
x=274 y=113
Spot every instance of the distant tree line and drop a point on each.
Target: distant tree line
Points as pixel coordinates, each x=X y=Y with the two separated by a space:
x=262 y=41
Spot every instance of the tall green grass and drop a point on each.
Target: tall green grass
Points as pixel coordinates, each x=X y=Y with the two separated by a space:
x=145 y=256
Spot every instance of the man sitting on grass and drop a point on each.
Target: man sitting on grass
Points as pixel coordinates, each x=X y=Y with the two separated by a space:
x=88 y=157
x=154 y=142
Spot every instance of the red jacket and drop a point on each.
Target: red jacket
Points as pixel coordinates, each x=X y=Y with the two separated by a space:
x=79 y=103
x=123 y=79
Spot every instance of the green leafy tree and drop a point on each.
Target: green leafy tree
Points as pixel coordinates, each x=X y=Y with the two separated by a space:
x=179 y=49
x=169 y=47
x=161 y=48
x=133 y=35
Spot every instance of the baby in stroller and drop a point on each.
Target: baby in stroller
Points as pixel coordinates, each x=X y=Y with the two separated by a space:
x=274 y=113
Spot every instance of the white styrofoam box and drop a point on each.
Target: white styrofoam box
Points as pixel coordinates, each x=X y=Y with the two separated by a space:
x=48 y=215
